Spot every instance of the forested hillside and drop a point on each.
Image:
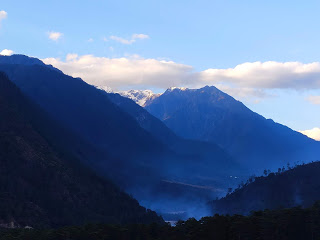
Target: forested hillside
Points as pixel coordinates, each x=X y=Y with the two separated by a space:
x=41 y=186
x=298 y=186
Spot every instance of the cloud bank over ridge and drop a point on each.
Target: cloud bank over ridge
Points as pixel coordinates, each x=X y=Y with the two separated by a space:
x=251 y=78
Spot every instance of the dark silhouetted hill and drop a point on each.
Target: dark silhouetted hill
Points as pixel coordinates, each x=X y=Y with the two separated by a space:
x=299 y=186
x=41 y=186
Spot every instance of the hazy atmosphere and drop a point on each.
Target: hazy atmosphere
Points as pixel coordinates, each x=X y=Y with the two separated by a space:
x=156 y=120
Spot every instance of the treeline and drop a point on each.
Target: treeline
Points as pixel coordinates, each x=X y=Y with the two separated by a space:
x=295 y=223
x=267 y=173
x=296 y=186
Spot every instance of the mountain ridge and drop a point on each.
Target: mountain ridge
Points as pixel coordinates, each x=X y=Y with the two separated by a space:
x=43 y=187
x=211 y=115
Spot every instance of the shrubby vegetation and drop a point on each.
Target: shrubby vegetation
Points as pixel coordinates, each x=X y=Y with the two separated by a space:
x=294 y=223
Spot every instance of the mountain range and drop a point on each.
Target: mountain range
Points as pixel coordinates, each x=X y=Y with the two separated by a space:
x=42 y=186
x=208 y=114
x=173 y=152
x=121 y=141
x=214 y=116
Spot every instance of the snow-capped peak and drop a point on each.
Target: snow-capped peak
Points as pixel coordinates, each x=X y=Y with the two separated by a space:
x=141 y=97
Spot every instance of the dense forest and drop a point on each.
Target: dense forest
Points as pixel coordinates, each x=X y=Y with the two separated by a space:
x=285 y=188
x=295 y=223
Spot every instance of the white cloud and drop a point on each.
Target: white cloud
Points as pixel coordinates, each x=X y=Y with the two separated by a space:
x=140 y=36
x=71 y=57
x=267 y=75
x=133 y=38
x=6 y=52
x=119 y=72
x=3 y=15
x=314 y=100
x=247 y=80
x=90 y=40
x=122 y=40
x=245 y=93
x=55 y=36
x=312 y=133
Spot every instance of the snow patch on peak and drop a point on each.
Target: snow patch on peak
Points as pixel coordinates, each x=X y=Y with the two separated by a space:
x=105 y=88
x=141 y=97
x=178 y=88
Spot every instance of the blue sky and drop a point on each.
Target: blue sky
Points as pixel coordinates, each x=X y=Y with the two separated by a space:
x=203 y=34
x=179 y=40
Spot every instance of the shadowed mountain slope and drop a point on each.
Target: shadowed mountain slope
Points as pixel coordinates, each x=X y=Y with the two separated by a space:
x=122 y=144
x=208 y=114
x=40 y=186
x=213 y=156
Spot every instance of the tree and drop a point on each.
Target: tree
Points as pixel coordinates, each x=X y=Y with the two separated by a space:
x=265 y=172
